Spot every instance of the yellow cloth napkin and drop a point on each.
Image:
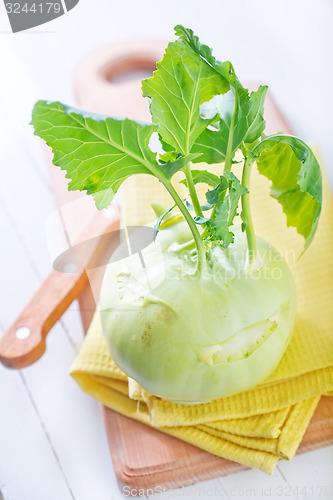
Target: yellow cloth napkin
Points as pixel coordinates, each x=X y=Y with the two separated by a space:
x=259 y=426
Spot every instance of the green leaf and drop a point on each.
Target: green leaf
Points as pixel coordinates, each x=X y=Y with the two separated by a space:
x=226 y=210
x=171 y=167
x=204 y=208
x=296 y=180
x=98 y=153
x=255 y=116
x=203 y=176
x=200 y=220
x=217 y=194
x=180 y=84
x=212 y=145
x=225 y=69
x=160 y=219
x=248 y=122
x=247 y=125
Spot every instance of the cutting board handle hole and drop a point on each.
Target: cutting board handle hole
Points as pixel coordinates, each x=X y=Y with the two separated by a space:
x=129 y=69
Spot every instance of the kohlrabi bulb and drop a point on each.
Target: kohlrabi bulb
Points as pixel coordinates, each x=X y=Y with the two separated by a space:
x=192 y=338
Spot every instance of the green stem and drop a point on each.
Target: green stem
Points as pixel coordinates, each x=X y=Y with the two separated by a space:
x=230 y=153
x=212 y=215
x=191 y=188
x=192 y=225
x=205 y=232
x=246 y=211
x=201 y=263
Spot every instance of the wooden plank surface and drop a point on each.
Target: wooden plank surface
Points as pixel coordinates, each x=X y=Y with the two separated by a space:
x=50 y=433
x=145 y=458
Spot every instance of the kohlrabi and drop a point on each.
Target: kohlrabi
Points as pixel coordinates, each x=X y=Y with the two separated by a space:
x=207 y=309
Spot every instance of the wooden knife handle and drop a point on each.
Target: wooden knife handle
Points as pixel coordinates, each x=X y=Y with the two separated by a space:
x=24 y=341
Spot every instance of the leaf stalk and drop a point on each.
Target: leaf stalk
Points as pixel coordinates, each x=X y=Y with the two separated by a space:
x=192 y=190
x=230 y=152
x=201 y=263
x=246 y=209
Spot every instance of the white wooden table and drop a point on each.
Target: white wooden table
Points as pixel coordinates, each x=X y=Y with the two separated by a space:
x=52 y=441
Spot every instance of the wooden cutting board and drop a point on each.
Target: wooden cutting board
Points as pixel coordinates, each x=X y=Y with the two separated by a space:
x=107 y=81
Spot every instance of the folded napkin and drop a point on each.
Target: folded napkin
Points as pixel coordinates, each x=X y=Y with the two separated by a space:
x=255 y=427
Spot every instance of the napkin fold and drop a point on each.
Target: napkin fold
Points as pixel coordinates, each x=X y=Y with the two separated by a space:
x=262 y=425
